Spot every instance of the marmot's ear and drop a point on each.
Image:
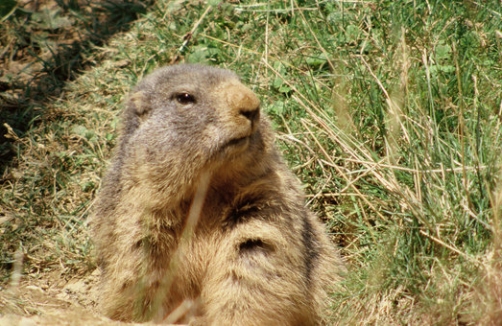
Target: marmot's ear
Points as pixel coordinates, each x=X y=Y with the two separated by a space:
x=138 y=103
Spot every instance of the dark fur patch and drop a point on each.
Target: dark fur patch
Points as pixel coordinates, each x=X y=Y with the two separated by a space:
x=244 y=211
x=251 y=245
x=251 y=251
x=311 y=248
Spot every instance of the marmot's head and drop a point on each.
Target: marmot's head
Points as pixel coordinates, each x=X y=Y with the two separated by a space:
x=187 y=118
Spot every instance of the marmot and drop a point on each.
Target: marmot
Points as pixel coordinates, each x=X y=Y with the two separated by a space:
x=199 y=220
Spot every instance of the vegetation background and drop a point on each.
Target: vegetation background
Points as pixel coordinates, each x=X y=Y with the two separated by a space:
x=390 y=112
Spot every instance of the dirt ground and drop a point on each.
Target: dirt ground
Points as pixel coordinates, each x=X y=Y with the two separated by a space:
x=52 y=301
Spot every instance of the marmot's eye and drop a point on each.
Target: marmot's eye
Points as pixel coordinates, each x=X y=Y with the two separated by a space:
x=185 y=98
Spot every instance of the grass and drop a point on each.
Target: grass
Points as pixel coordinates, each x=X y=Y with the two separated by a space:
x=389 y=112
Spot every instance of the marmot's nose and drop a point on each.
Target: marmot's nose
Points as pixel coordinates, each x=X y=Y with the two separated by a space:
x=243 y=102
x=252 y=115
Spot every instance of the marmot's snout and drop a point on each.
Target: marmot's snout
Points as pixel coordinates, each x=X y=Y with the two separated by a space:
x=252 y=115
x=243 y=107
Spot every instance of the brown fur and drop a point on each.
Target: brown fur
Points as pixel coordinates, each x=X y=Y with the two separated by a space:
x=199 y=214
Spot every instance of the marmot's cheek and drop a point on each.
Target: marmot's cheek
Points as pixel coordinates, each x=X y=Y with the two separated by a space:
x=232 y=129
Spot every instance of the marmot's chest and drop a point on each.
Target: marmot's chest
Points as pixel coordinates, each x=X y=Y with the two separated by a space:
x=221 y=214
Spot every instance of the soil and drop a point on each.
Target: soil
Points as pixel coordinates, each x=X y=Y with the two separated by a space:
x=52 y=301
